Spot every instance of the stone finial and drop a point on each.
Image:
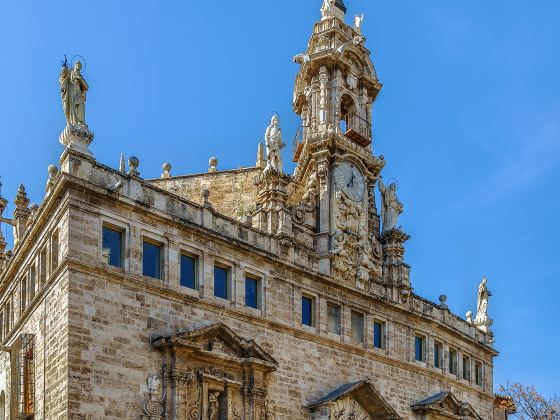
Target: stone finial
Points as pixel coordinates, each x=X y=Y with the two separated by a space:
x=21 y=214
x=122 y=165
x=133 y=164
x=442 y=302
x=33 y=208
x=469 y=315
x=261 y=163
x=213 y=164
x=53 y=173
x=166 y=170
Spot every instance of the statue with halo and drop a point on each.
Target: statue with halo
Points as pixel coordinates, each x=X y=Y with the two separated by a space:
x=391 y=207
x=73 y=91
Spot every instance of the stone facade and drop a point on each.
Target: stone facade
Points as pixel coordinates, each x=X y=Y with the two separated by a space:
x=331 y=330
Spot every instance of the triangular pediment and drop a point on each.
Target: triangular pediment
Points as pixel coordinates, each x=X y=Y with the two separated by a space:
x=217 y=341
x=445 y=404
x=357 y=400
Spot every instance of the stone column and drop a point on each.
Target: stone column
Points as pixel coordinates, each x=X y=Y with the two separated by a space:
x=395 y=270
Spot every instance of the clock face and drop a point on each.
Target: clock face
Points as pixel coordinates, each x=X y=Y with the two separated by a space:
x=350 y=180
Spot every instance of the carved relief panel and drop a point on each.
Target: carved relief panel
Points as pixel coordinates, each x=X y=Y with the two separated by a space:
x=208 y=375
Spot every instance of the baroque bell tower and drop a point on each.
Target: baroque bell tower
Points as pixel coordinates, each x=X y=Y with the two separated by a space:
x=335 y=90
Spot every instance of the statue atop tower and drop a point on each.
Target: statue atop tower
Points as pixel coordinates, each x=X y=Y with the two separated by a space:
x=73 y=91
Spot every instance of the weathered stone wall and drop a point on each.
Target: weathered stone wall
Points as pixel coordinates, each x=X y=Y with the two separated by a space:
x=115 y=312
x=232 y=192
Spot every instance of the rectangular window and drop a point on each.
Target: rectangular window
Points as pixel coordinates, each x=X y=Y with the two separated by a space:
x=221 y=282
x=152 y=260
x=8 y=316
x=54 y=250
x=379 y=334
x=307 y=309
x=453 y=362
x=438 y=353
x=419 y=348
x=466 y=368
x=188 y=271
x=32 y=282
x=478 y=373
x=113 y=246
x=23 y=294
x=357 y=324
x=43 y=267
x=252 y=292
x=333 y=318
x=22 y=403
x=1 y=327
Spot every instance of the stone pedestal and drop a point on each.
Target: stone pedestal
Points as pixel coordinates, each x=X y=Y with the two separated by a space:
x=272 y=214
x=77 y=137
x=395 y=270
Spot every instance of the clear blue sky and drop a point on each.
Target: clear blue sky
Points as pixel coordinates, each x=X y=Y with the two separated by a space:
x=468 y=121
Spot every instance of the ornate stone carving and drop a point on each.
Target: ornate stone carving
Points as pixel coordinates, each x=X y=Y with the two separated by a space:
x=391 y=207
x=213 y=164
x=326 y=9
x=352 y=81
x=73 y=89
x=274 y=145
x=166 y=170
x=348 y=409
x=482 y=321
x=154 y=405
x=133 y=164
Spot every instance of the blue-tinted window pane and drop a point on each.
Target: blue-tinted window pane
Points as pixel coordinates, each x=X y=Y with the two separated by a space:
x=307 y=311
x=152 y=260
x=377 y=334
x=188 y=271
x=112 y=241
x=437 y=356
x=419 y=348
x=220 y=282
x=251 y=292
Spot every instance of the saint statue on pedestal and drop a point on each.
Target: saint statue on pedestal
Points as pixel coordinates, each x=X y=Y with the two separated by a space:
x=273 y=141
x=391 y=207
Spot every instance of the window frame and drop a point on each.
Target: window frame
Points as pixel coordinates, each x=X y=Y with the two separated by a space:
x=258 y=290
x=363 y=322
x=422 y=339
x=228 y=283
x=313 y=307
x=157 y=243
x=439 y=361
x=196 y=258
x=466 y=374
x=122 y=232
x=338 y=308
x=453 y=367
x=383 y=333
x=478 y=373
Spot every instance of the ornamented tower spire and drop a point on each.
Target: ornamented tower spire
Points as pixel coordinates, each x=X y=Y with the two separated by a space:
x=334 y=94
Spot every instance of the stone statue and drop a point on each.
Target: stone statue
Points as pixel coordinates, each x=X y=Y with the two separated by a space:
x=358 y=20
x=326 y=9
x=73 y=89
x=213 y=404
x=273 y=141
x=391 y=207
x=482 y=321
